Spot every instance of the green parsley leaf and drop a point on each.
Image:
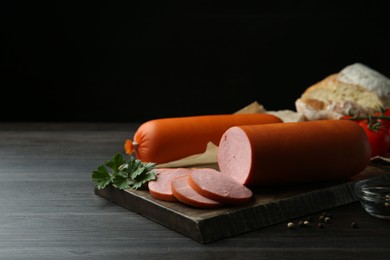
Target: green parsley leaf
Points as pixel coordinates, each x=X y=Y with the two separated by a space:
x=116 y=161
x=123 y=174
x=145 y=178
x=101 y=177
x=122 y=182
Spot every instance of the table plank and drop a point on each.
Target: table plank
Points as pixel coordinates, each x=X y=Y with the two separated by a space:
x=49 y=209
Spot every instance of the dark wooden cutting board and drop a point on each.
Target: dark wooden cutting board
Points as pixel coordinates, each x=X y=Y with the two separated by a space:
x=269 y=206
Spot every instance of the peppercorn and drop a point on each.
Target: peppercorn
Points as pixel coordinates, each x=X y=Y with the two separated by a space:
x=320 y=225
x=291 y=225
x=353 y=224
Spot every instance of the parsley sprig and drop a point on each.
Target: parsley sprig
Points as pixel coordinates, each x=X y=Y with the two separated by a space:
x=123 y=174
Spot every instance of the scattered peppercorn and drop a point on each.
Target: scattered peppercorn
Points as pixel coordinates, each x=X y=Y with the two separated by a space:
x=353 y=224
x=320 y=225
x=322 y=219
x=291 y=225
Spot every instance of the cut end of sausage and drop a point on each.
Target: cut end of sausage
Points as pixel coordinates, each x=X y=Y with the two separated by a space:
x=186 y=194
x=218 y=186
x=235 y=162
x=161 y=187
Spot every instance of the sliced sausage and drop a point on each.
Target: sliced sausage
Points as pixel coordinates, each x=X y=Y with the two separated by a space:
x=217 y=186
x=323 y=150
x=161 y=187
x=184 y=193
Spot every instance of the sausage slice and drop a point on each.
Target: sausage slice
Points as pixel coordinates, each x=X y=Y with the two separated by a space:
x=218 y=186
x=184 y=193
x=161 y=187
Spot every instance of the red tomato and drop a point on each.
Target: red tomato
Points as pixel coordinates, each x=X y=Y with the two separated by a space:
x=346 y=117
x=379 y=139
x=385 y=122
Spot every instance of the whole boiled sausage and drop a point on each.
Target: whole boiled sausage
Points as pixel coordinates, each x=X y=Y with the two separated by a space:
x=168 y=139
x=323 y=150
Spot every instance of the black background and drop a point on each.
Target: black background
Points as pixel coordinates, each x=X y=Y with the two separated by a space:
x=133 y=61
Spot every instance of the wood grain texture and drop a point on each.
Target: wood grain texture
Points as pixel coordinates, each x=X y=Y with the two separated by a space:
x=269 y=206
x=49 y=209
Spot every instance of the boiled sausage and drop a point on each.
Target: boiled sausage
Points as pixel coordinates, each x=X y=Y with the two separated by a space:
x=161 y=187
x=296 y=152
x=168 y=139
x=184 y=193
x=217 y=186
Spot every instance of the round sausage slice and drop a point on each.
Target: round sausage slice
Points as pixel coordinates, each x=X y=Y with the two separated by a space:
x=218 y=186
x=295 y=152
x=161 y=187
x=184 y=193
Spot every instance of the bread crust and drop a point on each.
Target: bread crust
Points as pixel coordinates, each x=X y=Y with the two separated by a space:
x=331 y=98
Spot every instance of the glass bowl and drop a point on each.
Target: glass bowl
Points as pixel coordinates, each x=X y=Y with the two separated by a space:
x=374 y=195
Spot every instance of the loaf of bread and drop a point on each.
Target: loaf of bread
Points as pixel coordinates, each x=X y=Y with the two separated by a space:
x=355 y=89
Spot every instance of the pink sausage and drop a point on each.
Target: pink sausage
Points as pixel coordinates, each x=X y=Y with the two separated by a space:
x=186 y=194
x=278 y=154
x=217 y=186
x=161 y=187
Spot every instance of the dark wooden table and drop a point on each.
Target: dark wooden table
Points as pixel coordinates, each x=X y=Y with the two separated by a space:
x=49 y=209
